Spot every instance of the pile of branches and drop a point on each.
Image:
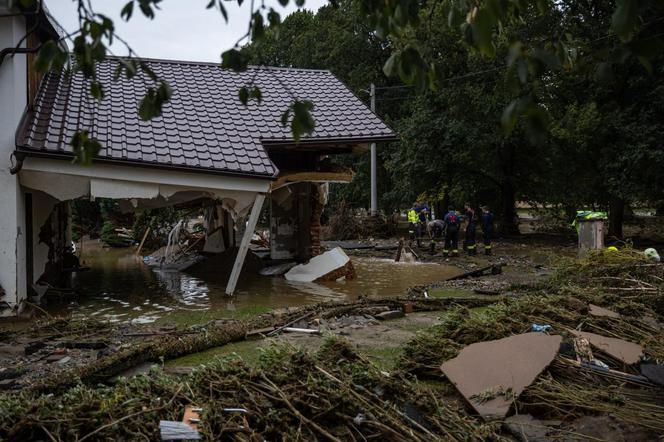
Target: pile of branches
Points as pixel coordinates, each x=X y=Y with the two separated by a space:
x=622 y=281
x=332 y=395
x=564 y=392
x=347 y=223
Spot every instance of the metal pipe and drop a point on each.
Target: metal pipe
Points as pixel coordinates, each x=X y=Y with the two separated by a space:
x=374 y=187
x=14 y=50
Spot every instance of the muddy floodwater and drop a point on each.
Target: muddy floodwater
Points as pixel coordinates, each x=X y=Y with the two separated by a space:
x=119 y=288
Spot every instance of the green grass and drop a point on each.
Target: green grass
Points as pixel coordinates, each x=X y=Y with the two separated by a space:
x=384 y=357
x=183 y=318
x=249 y=351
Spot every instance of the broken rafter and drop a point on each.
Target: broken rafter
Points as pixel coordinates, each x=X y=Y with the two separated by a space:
x=286 y=178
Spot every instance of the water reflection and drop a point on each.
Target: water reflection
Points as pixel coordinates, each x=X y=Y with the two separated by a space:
x=120 y=288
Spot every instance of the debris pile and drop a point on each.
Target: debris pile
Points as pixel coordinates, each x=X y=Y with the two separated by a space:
x=608 y=362
x=332 y=395
x=577 y=355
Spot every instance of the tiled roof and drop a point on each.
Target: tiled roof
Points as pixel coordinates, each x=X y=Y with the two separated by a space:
x=204 y=126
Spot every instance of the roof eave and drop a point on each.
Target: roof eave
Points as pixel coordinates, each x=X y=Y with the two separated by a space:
x=24 y=151
x=277 y=142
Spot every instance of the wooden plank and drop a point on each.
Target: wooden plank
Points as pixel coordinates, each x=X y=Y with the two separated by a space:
x=286 y=178
x=244 y=244
x=145 y=236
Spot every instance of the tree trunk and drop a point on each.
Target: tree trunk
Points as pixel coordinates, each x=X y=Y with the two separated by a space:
x=616 y=216
x=507 y=158
x=509 y=224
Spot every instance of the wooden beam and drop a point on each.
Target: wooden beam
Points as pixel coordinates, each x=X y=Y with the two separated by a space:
x=244 y=244
x=140 y=246
x=286 y=177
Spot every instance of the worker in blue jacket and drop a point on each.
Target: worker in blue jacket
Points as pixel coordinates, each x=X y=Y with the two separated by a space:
x=471 y=225
x=487 y=229
x=452 y=224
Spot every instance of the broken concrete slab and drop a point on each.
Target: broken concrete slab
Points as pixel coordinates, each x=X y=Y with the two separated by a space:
x=492 y=374
x=596 y=310
x=324 y=267
x=627 y=352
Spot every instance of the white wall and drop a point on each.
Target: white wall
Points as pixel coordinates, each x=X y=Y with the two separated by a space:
x=13 y=96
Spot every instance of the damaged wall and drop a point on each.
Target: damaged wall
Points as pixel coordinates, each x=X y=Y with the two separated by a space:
x=290 y=218
x=42 y=206
x=220 y=223
x=13 y=96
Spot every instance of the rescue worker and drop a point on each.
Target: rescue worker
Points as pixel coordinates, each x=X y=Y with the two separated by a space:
x=471 y=219
x=436 y=228
x=413 y=222
x=422 y=212
x=452 y=224
x=487 y=229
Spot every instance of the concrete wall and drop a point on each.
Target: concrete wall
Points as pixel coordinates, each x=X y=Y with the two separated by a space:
x=13 y=97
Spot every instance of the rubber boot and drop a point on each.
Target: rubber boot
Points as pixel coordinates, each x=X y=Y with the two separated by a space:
x=432 y=248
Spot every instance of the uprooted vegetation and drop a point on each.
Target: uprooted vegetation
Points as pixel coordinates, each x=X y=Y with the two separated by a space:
x=334 y=394
x=623 y=282
x=338 y=394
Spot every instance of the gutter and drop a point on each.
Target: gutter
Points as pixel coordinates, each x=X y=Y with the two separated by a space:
x=270 y=142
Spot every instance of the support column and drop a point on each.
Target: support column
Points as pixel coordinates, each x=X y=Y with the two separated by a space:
x=374 y=160
x=317 y=206
x=244 y=244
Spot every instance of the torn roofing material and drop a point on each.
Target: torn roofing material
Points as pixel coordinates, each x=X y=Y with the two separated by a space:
x=596 y=310
x=492 y=374
x=204 y=126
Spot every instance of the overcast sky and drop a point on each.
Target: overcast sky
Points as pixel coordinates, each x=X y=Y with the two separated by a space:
x=181 y=30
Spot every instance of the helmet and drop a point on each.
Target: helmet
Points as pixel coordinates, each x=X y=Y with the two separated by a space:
x=652 y=254
x=612 y=249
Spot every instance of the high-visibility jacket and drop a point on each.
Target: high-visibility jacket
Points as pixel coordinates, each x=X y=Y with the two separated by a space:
x=413 y=217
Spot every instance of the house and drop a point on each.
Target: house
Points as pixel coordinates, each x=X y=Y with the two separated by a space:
x=206 y=146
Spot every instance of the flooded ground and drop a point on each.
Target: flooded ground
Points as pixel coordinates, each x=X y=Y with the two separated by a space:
x=119 y=287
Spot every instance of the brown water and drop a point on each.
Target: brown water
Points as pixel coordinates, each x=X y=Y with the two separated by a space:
x=119 y=288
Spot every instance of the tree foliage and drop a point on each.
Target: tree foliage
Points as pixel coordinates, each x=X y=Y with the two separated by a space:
x=593 y=141
x=548 y=101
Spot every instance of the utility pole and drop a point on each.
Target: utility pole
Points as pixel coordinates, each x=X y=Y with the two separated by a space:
x=374 y=189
